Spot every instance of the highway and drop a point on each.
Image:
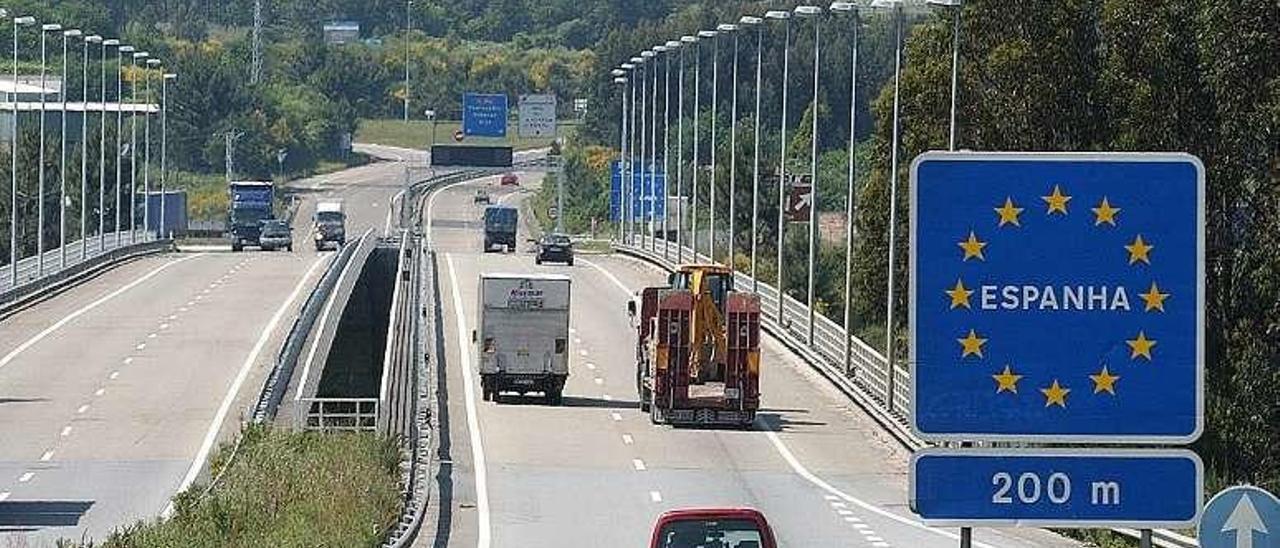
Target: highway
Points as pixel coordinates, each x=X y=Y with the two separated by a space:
x=595 y=472
x=114 y=393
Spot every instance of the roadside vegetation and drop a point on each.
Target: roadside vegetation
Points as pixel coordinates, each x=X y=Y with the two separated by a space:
x=284 y=489
x=416 y=134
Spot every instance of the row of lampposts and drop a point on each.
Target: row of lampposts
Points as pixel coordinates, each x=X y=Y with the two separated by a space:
x=633 y=165
x=16 y=105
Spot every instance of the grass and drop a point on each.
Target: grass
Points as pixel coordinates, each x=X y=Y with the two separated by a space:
x=417 y=135
x=286 y=489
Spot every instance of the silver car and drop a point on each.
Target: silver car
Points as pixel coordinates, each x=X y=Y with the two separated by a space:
x=276 y=234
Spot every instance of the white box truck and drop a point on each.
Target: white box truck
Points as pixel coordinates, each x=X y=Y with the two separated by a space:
x=523 y=335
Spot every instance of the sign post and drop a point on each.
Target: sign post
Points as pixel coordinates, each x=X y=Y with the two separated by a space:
x=1057 y=298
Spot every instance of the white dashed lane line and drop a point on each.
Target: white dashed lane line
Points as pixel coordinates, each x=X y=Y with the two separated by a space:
x=47 y=456
x=26 y=477
x=627 y=439
x=82 y=409
x=66 y=431
x=616 y=416
x=655 y=496
x=638 y=464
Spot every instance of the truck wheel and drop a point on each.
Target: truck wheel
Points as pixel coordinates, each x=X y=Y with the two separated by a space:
x=537 y=260
x=235 y=248
x=655 y=415
x=569 y=262
x=290 y=248
x=555 y=396
x=645 y=404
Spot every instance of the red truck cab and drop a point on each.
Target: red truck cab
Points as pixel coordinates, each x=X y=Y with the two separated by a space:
x=712 y=528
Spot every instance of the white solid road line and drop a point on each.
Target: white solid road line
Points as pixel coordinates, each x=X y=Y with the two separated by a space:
x=82 y=311
x=211 y=435
x=473 y=416
x=609 y=275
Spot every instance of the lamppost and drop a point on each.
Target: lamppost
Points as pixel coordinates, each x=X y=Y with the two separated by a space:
x=697 y=104
x=146 y=158
x=120 y=153
x=715 y=115
x=140 y=56
x=815 y=13
x=685 y=41
x=733 y=139
x=44 y=34
x=628 y=141
x=636 y=78
x=62 y=163
x=621 y=81
x=84 y=146
x=102 y=150
x=164 y=146
x=647 y=130
x=13 y=158
x=851 y=190
x=956 y=6
x=672 y=46
x=746 y=21
x=408 y=33
x=896 y=5
x=785 y=17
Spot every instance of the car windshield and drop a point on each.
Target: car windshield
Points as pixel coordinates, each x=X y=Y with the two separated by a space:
x=275 y=227
x=329 y=217
x=558 y=239
x=733 y=533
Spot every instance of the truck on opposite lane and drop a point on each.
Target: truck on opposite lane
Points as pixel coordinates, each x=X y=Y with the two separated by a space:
x=523 y=335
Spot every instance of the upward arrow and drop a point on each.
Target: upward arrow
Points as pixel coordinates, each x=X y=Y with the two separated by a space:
x=1244 y=521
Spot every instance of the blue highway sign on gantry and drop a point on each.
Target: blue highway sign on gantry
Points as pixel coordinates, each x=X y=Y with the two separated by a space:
x=484 y=115
x=1056 y=487
x=1057 y=297
x=1241 y=517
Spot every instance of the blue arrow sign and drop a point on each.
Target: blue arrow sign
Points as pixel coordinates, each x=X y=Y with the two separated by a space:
x=1061 y=488
x=1057 y=297
x=484 y=115
x=1241 y=517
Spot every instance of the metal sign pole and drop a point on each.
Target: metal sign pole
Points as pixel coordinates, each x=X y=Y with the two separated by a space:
x=966 y=537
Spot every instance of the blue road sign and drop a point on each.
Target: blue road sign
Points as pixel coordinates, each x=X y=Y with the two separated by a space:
x=1241 y=517
x=1057 y=487
x=1057 y=297
x=484 y=115
x=648 y=187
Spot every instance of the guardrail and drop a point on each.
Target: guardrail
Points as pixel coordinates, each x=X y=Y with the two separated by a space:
x=84 y=259
x=862 y=373
x=273 y=391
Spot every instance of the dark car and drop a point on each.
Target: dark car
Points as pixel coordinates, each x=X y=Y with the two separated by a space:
x=555 y=248
x=276 y=234
x=728 y=527
x=482 y=197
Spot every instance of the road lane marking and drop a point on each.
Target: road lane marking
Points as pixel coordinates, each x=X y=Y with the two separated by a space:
x=211 y=435
x=114 y=375
x=4 y=495
x=100 y=392
x=853 y=519
x=82 y=409
x=655 y=496
x=818 y=482
x=48 y=455
x=128 y=361
x=26 y=477
x=616 y=416
x=87 y=308
x=164 y=326
x=607 y=397
x=627 y=439
x=599 y=381
x=638 y=464
x=66 y=431
x=608 y=275
x=591 y=366
x=151 y=336
x=473 y=418
x=141 y=346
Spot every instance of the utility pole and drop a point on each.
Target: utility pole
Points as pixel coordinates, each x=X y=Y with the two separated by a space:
x=255 y=72
x=231 y=136
x=408 y=34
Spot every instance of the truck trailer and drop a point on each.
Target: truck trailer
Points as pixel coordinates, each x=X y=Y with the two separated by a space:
x=698 y=349
x=251 y=203
x=523 y=335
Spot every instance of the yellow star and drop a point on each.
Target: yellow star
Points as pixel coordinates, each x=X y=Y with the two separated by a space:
x=1007 y=381
x=1055 y=395
x=1154 y=298
x=1105 y=213
x=1139 y=251
x=972 y=247
x=972 y=344
x=1104 y=382
x=1141 y=346
x=1057 y=201
x=1009 y=213
x=959 y=295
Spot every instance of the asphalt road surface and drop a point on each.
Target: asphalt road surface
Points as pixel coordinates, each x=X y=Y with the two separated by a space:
x=595 y=472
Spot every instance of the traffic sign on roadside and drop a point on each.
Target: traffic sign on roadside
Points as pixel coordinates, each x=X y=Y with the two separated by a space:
x=800 y=201
x=537 y=116
x=1241 y=517
x=1056 y=487
x=1057 y=297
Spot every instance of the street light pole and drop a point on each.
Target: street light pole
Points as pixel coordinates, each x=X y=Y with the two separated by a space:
x=62 y=163
x=733 y=143
x=164 y=147
x=119 y=138
x=672 y=46
x=755 y=170
x=46 y=29
x=84 y=146
x=644 y=122
x=102 y=150
x=697 y=104
x=13 y=159
x=631 y=153
x=133 y=150
x=146 y=159
x=956 y=6
x=715 y=115
x=816 y=13
x=785 y=16
x=684 y=41
x=651 y=68
x=851 y=190
x=893 y=204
